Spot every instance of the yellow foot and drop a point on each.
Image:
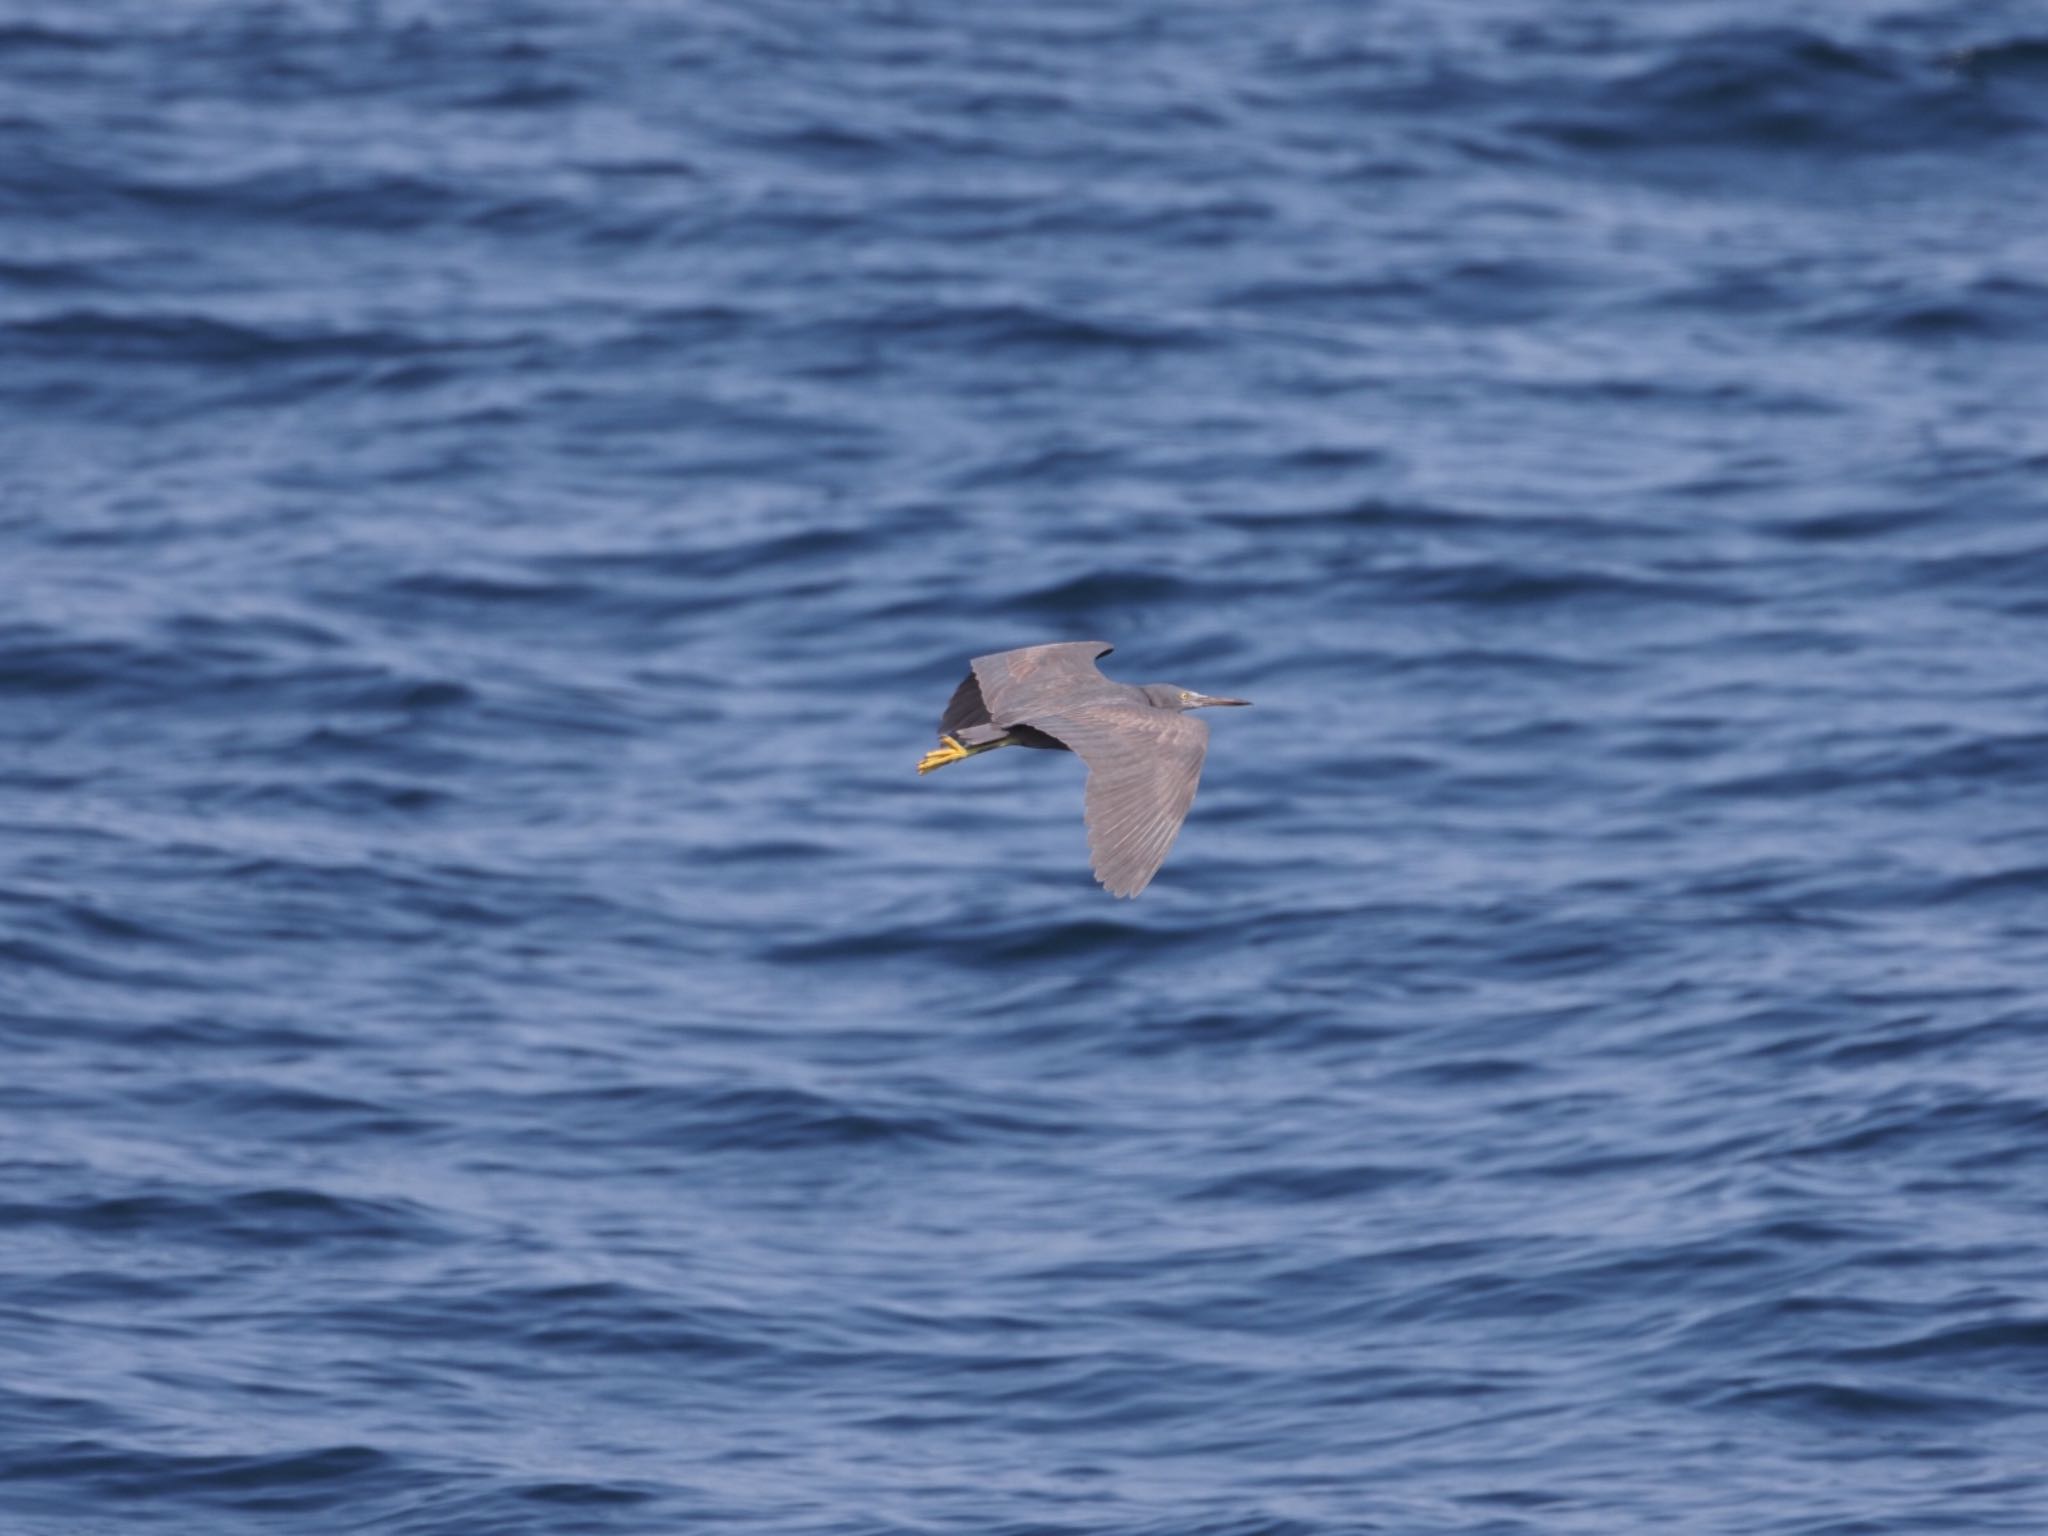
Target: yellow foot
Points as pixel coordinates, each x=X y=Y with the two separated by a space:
x=951 y=752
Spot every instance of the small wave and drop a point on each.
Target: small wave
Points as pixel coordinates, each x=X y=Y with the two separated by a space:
x=35 y=660
x=194 y=339
x=1021 y=327
x=778 y=553
x=52 y=274
x=2026 y=883
x=479 y=589
x=295 y=1114
x=736 y=1119
x=27 y=37
x=2019 y=1341
x=1469 y=292
x=1783 y=89
x=1489 y=583
x=1263 y=1186
x=394 y=204
x=534 y=95
x=81 y=963
x=2019 y=759
x=1989 y=310
x=282 y=1217
x=1865 y=523
x=620 y=1321
x=581 y=1493
x=276 y=1484
x=1100 y=590
x=829 y=142
x=1077 y=941
x=2012 y=580
x=1849 y=1405
x=1953 y=1128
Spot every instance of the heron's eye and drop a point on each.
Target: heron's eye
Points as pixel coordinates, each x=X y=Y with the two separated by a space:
x=1186 y=697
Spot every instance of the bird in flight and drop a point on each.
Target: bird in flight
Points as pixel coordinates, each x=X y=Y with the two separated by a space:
x=1144 y=754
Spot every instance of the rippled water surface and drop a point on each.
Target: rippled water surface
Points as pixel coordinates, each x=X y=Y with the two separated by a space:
x=494 y=1037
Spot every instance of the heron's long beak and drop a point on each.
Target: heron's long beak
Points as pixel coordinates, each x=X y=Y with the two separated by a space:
x=1203 y=701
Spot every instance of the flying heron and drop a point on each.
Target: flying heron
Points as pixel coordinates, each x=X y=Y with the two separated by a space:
x=1144 y=754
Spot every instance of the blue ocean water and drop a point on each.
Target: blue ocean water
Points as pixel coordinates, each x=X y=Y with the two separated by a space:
x=495 y=1038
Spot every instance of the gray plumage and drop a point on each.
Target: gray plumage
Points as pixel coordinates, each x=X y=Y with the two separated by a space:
x=1144 y=753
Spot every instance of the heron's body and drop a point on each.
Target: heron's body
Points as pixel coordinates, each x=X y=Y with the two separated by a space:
x=1144 y=753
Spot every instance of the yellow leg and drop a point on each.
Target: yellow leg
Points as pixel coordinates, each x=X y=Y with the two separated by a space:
x=950 y=752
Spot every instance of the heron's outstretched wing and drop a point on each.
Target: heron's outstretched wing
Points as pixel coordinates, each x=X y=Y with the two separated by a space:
x=1017 y=684
x=1143 y=766
x=964 y=709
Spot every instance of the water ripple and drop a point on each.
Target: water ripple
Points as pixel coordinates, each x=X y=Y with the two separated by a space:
x=498 y=1038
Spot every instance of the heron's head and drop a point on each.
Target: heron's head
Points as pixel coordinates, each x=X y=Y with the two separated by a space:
x=1171 y=696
